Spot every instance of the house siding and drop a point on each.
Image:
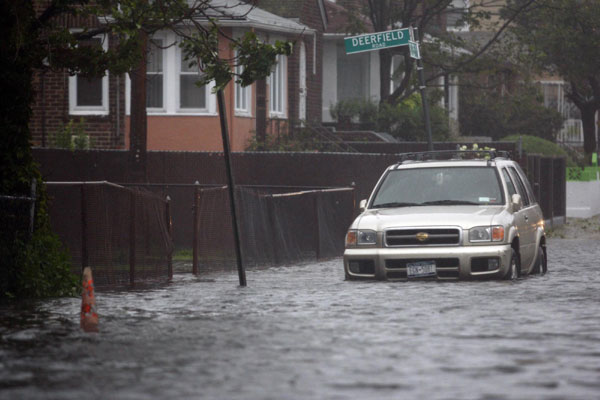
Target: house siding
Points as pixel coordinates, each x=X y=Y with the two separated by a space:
x=169 y=131
x=309 y=14
x=50 y=110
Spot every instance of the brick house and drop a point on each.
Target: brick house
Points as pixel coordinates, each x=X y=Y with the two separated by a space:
x=182 y=116
x=306 y=83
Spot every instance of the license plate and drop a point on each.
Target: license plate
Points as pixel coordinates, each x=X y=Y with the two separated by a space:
x=420 y=269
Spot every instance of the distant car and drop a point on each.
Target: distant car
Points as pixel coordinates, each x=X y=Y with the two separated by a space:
x=457 y=218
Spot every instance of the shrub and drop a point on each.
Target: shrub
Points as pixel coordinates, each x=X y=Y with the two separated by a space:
x=300 y=140
x=72 y=136
x=43 y=269
x=536 y=145
x=35 y=265
x=403 y=120
x=486 y=113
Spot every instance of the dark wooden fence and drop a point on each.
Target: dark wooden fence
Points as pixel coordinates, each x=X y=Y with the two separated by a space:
x=175 y=174
x=548 y=177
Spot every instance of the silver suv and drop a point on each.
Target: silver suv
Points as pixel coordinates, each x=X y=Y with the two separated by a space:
x=470 y=216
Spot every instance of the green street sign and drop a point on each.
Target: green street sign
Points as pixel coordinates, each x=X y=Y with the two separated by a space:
x=413 y=47
x=377 y=41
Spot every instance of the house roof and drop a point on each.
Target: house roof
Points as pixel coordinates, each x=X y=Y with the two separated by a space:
x=232 y=13
x=301 y=10
x=286 y=9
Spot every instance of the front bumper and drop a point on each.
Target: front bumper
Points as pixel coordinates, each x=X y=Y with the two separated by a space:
x=461 y=262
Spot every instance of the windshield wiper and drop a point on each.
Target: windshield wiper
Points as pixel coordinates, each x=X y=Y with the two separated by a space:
x=450 y=203
x=395 y=204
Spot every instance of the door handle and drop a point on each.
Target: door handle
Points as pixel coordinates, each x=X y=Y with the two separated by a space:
x=526 y=218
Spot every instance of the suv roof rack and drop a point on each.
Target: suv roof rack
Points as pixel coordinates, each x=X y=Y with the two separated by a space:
x=453 y=155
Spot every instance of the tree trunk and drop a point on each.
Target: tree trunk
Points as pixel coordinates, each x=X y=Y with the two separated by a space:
x=588 y=119
x=16 y=161
x=261 y=113
x=138 y=130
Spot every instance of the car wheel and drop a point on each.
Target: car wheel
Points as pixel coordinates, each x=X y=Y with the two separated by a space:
x=348 y=277
x=513 y=269
x=541 y=264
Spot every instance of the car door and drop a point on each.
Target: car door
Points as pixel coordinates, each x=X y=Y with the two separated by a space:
x=527 y=221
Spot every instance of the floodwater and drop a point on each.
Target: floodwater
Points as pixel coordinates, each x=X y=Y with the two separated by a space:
x=304 y=333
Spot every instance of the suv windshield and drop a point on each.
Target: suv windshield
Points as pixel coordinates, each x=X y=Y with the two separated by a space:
x=439 y=186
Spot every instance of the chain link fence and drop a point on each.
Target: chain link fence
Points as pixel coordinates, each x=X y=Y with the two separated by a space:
x=18 y=213
x=277 y=226
x=123 y=234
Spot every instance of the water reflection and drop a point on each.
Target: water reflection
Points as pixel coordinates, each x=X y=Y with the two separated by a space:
x=304 y=332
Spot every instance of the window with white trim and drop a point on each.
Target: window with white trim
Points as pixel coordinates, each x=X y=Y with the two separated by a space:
x=89 y=96
x=243 y=96
x=171 y=83
x=191 y=96
x=277 y=81
x=155 y=75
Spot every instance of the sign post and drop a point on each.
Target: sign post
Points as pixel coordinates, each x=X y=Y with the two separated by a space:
x=395 y=38
x=417 y=55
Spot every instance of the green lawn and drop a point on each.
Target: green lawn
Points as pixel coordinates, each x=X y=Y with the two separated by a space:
x=582 y=174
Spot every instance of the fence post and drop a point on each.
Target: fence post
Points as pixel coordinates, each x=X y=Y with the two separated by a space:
x=84 y=238
x=132 y=234
x=563 y=184
x=196 y=222
x=547 y=188
x=559 y=178
x=316 y=224
x=354 y=212
x=271 y=218
x=170 y=231
x=551 y=180
x=32 y=207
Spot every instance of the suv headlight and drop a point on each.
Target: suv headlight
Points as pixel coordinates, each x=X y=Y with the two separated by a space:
x=361 y=237
x=486 y=234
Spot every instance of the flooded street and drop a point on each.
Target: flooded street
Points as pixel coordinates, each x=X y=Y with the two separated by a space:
x=305 y=333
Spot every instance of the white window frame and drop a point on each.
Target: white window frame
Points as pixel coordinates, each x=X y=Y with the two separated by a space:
x=207 y=92
x=242 y=95
x=171 y=85
x=459 y=7
x=279 y=92
x=163 y=109
x=74 y=109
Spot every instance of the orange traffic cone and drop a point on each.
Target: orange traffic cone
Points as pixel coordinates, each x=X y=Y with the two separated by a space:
x=89 y=318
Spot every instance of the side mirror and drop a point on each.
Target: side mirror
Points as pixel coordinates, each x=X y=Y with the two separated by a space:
x=362 y=206
x=517 y=202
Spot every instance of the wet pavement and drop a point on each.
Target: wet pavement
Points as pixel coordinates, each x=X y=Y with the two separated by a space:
x=304 y=333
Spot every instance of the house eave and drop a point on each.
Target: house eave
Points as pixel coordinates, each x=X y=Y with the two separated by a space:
x=262 y=26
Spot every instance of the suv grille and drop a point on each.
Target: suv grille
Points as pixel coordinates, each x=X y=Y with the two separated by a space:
x=422 y=237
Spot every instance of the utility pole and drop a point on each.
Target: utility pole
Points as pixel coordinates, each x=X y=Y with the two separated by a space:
x=231 y=186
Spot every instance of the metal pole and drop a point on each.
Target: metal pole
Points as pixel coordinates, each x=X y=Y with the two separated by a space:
x=132 y=233
x=196 y=213
x=231 y=186
x=170 y=230
x=423 y=96
x=84 y=245
x=317 y=230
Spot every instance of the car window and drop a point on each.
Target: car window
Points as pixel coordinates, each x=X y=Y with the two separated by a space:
x=439 y=186
x=523 y=176
x=509 y=183
x=520 y=187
